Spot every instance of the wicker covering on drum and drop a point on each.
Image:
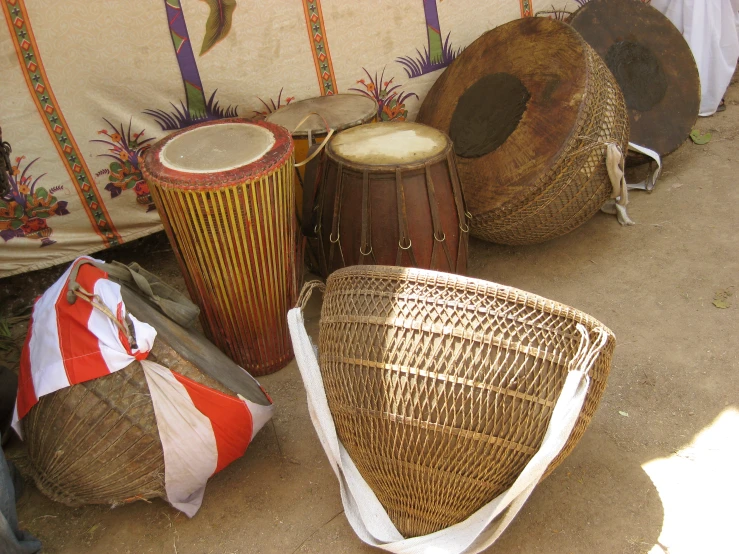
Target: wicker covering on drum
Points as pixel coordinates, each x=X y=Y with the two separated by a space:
x=441 y=387
x=531 y=109
x=98 y=442
x=227 y=205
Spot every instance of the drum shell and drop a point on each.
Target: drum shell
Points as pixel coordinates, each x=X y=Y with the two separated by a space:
x=97 y=442
x=537 y=185
x=441 y=387
x=236 y=243
x=384 y=226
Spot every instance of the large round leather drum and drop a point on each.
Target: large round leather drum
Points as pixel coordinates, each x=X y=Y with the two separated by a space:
x=652 y=64
x=531 y=109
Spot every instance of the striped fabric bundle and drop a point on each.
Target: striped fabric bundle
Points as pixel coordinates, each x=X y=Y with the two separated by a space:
x=202 y=430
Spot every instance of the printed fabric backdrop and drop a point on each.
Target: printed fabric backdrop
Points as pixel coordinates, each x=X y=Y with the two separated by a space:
x=86 y=87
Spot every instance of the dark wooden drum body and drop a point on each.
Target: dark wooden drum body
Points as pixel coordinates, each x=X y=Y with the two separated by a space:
x=531 y=109
x=390 y=195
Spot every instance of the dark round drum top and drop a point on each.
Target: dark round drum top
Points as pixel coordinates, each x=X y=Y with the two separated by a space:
x=510 y=102
x=341 y=111
x=652 y=64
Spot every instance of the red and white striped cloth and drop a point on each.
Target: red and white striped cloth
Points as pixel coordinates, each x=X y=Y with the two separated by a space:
x=202 y=430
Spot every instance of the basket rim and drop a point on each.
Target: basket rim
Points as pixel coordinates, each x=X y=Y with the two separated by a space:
x=427 y=276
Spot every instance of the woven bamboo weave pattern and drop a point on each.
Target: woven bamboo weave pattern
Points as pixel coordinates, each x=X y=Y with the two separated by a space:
x=98 y=442
x=235 y=240
x=441 y=387
x=577 y=185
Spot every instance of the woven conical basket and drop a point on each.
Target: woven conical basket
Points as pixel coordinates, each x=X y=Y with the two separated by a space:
x=441 y=387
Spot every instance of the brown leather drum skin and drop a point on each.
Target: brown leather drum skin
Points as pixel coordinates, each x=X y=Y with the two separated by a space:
x=652 y=64
x=396 y=209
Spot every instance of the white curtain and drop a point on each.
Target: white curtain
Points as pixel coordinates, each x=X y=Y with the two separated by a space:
x=711 y=28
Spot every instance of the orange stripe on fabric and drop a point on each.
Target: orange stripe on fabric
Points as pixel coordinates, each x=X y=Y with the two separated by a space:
x=319 y=47
x=26 y=391
x=20 y=4
x=79 y=346
x=230 y=418
x=527 y=8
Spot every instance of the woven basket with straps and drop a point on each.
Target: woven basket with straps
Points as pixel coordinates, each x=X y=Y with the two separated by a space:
x=550 y=175
x=441 y=387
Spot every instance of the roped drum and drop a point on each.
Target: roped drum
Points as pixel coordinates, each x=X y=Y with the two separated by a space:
x=390 y=195
x=532 y=110
x=224 y=190
x=308 y=120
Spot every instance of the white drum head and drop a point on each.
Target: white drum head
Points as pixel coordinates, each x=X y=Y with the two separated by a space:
x=391 y=143
x=218 y=147
x=340 y=111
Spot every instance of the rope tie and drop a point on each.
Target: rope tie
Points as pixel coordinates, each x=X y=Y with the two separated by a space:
x=329 y=133
x=97 y=303
x=307 y=292
x=588 y=352
x=335 y=235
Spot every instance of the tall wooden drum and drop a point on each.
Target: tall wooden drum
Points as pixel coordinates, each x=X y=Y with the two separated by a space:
x=390 y=195
x=337 y=112
x=531 y=109
x=224 y=190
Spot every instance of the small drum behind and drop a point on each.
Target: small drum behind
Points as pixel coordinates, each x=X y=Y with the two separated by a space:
x=531 y=109
x=224 y=190
x=337 y=112
x=390 y=195
x=652 y=64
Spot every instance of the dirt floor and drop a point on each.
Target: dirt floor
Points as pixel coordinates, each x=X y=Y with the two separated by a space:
x=657 y=471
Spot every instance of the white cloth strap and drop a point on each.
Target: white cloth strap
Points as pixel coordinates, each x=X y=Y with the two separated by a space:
x=620 y=193
x=367 y=516
x=651 y=180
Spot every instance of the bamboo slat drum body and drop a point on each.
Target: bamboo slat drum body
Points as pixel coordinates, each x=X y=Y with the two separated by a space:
x=339 y=111
x=98 y=442
x=390 y=195
x=234 y=233
x=441 y=387
x=530 y=108
x=652 y=64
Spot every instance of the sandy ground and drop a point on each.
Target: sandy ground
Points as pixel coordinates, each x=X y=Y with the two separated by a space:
x=658 y=469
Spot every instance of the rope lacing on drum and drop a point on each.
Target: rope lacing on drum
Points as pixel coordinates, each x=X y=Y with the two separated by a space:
x=75 y=291
x=365 y=247
x=335 y=235
x=404 y=242
x=439 y=235
x=462 y=215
